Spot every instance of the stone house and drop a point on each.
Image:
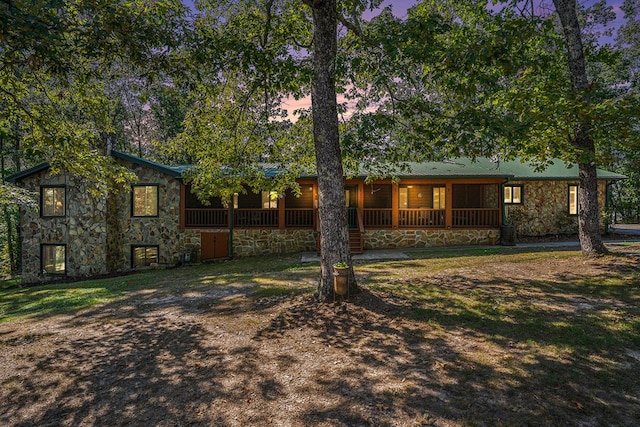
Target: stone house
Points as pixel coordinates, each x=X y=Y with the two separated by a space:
x=160 y=222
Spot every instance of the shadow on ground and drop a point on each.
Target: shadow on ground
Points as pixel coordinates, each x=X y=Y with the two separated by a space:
x=442 y=350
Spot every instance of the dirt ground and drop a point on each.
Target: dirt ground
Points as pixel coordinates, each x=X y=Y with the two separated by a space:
x=201 y=358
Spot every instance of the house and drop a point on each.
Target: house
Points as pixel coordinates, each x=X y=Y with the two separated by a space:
x=160 y=221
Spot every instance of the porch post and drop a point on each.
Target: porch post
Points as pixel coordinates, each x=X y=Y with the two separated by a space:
x=503 y=208
x=231 y=227
x=281 y=207
x=448 y=217
x=395 y=205
x=361 y=199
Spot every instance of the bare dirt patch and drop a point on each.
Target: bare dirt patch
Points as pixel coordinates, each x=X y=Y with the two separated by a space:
x=479 y=343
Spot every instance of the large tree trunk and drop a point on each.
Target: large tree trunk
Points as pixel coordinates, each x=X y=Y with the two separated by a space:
x=588 y=212
x=7 y=215
x=334 y=233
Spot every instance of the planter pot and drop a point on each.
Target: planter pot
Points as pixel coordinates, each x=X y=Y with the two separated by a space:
x=340 y=280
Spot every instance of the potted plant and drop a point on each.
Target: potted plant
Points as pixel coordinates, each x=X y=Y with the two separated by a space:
x=340 y=278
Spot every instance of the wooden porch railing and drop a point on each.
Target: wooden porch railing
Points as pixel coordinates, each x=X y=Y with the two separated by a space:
x=255 y=218
x=302 y=218
x=377 y=218
x=477 y=217
x=372 y=218
x=421 y=218
x=206 y=217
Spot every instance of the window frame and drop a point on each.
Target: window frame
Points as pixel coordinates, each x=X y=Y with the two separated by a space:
x=268 y=199
x=441 y=197
x=133 y=206
x=577 y=201
x=512 y=186
x=145 y=247
x=43 y=188
x=42 y=260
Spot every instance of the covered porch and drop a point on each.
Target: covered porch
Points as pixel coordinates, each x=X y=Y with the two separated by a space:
x=407 y=204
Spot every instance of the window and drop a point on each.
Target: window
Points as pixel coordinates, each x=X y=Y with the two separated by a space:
x=403 y=195
x=52 y=201
x=421 y=196
x=144 y=256
x=438 y=198
x=269 y=200
x=513 y=194
x=53 y=259
x=144 y=200
x=573 y=200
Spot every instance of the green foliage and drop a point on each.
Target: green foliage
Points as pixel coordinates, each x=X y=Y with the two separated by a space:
x=247 y=59
x=57 y=61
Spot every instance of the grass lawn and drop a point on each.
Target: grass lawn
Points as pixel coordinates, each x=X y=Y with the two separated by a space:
x=465 y=337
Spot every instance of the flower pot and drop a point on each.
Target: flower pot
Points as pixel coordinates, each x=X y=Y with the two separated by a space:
x=340 y=280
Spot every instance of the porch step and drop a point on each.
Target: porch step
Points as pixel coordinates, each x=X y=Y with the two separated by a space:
x=356 y=242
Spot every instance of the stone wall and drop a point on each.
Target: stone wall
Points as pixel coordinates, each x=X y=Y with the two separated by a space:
x=163 y=230
x=82 y=229
x=388 y=239
x=545 y=210
x=248 y=242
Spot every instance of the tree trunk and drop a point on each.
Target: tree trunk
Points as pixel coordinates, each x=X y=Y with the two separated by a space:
x=6 y=214
x=334 y=233
x=588 y=211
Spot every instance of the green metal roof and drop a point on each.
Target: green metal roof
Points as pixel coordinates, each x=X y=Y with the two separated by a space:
x=465 y=167
x=27 y=172
x=174 y=171
x=462 y=167
x=557 y=170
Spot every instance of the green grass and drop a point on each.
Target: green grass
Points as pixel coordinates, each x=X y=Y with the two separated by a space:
x=474 y=291
x=270 y=275
x=445 y=287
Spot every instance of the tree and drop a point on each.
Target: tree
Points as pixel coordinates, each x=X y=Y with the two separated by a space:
x=588 y=213
x=334 y=235
x=251 y=56
x=56 y=61
x=478 y=81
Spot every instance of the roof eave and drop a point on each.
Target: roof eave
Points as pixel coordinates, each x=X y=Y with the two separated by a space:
x=152 y=165
x=27 y=172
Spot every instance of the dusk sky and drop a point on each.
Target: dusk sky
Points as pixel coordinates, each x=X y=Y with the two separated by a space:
x=399 y=8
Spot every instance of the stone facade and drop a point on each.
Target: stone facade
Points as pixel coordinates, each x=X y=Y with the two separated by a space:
x=248 y=242
x=388 y=239
x=545 y=208
x=99 y=233
x=163 y=231
x=82 y=229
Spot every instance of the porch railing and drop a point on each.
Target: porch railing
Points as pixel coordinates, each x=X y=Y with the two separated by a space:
x=255 y=218
x=476 y=217
x=206 y=217
x=302 y=218
x=377 y=217
x=421 y=218
x=372 y=218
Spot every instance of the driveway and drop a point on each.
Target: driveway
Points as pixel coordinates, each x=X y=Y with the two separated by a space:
x=626 y=229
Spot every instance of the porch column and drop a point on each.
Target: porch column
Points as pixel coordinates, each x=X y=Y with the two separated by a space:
x=448 y=217
x=281 y=207
x=395 y=205
x=361 y=199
